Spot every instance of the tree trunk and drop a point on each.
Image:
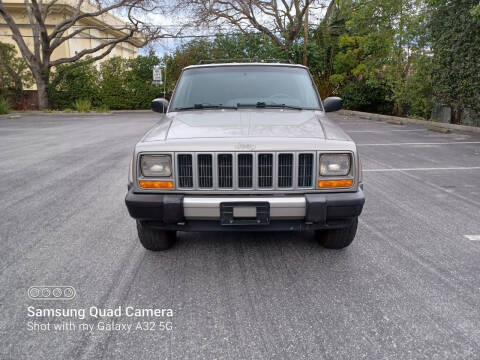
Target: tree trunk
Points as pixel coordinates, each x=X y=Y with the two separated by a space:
x=456 y=117
x=42 y=94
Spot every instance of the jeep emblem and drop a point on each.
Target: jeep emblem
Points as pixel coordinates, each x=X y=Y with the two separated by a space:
x=243 y=146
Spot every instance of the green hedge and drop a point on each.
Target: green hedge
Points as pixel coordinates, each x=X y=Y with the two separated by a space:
x=116 y=83
x=73 y=82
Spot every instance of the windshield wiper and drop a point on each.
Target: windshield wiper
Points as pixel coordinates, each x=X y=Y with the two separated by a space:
x=204 y=106
x=261 y=104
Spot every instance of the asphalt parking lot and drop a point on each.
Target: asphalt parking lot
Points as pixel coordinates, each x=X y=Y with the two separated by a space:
x=407 y=288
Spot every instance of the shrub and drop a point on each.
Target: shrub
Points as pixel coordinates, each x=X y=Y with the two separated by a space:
x=139 y=82
x=127 y=83
x=113 y=86
x=83 y=105
x=369 y=96
x=71 y=82
x=4 y=107
x=118 y=83
x=14 y=73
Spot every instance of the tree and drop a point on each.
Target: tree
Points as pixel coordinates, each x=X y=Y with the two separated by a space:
x=455 y=38
x=82 y=18
x=365 y=49
x=323 y=48
x=282 y=21
x=379 y=55
x=14 y=74
x=250 y=45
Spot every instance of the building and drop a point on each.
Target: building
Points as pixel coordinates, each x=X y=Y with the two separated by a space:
x=87 y=39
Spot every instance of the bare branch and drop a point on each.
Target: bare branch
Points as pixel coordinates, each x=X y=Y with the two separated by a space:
x=78 y=15
x=17 y=36
x=110 y=43
x=42 y=29
x=35 y=28
x=61 y=39
x=281 y=20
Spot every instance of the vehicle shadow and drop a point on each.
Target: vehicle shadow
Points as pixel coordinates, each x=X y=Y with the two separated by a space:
x=246 y=238
x=258 y=249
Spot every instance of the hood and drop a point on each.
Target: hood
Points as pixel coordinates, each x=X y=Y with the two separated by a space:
x=242 y=123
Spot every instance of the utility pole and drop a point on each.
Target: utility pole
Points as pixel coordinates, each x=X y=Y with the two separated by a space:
x=305 y=40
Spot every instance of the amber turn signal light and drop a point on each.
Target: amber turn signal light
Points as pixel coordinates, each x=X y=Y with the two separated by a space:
x=149 y=184
x=328 y=184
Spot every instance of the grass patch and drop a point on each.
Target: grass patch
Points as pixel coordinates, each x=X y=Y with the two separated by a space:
x=4 y=107
x=83 y=105
x=103 y=109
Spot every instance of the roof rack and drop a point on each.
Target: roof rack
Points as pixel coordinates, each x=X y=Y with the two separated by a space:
x=212 y=61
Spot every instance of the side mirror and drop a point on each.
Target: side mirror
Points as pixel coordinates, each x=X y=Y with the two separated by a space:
x=332 y=103
x=160 y=105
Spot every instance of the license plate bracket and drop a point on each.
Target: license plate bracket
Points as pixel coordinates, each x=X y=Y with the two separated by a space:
x=240 y=213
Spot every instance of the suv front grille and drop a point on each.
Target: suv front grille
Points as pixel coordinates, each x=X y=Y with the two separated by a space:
x=285 y=170
x=245 y=171
x=225 y=171
x=265 y=171
x=305 y=164
x=205 y=176
x=185 y=174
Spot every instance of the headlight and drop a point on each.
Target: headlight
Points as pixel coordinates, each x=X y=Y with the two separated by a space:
x=334 y=164
x=156 y=165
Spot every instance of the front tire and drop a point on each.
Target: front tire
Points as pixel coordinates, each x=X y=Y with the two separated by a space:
x=154 y=239
x=337 y=238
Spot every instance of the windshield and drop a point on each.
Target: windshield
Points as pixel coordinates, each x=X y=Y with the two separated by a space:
x=236 y=86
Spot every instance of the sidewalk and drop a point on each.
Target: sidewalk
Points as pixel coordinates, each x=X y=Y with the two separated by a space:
x=432 y=125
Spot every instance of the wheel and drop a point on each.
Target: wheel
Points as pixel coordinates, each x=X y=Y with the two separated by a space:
x=154 y=239
x=337 y=238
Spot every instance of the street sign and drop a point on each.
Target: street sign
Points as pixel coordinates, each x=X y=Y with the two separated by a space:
x=157 y=74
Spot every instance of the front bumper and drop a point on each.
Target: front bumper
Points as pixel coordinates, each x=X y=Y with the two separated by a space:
x=202 y=213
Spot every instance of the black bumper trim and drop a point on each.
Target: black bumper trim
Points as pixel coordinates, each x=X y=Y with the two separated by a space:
x=321 y=209
x=275 y=225
x=324 y=207
x=164 y=208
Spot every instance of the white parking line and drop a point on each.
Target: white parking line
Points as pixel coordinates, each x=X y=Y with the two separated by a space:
x=380 y=131
x=473 y=237
x=433 y=143
x=423 y=169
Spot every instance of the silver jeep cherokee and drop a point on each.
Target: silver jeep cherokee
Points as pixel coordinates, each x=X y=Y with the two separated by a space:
x=245 y=147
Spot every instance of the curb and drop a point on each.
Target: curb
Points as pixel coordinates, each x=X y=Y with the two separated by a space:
x=131 y=111
x=16 y=115
x=19 y=114
x=431 y=125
